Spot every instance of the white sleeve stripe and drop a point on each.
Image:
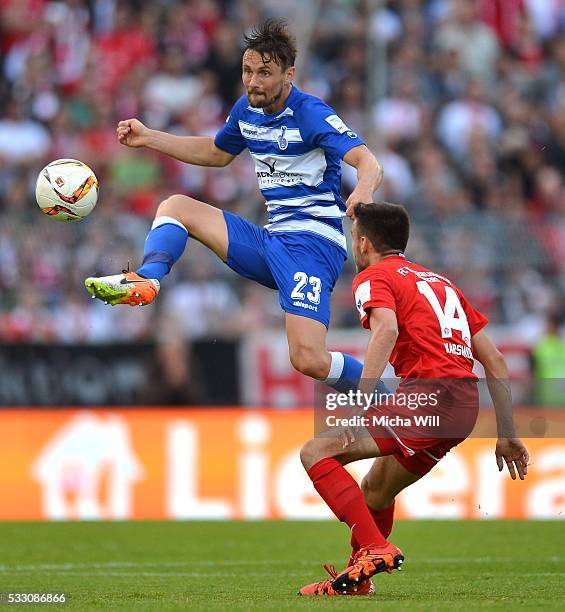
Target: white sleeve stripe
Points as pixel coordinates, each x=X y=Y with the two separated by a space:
x=362 y=296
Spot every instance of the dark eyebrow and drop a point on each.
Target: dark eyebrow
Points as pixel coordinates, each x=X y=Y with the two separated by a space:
x=264 y=67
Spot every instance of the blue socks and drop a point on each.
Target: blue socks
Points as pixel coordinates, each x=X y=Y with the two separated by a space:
x=345 y=373
x=163 y=246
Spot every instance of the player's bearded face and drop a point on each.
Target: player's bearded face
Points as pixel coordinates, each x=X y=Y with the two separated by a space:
x=263 y=79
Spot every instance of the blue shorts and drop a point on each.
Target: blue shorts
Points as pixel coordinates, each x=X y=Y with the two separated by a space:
x=302 y=266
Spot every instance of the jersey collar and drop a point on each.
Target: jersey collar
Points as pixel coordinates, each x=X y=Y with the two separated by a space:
x=287 y=110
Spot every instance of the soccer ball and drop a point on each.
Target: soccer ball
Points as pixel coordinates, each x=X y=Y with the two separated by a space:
x=66 y=190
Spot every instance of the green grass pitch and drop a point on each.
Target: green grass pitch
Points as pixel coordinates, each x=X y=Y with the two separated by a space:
x=489 y=565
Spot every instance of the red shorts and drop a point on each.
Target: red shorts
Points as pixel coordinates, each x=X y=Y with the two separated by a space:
x=418 y=462
x=418 y=447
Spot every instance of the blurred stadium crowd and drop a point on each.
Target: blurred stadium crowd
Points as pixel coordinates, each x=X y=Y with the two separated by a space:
x=463 y=101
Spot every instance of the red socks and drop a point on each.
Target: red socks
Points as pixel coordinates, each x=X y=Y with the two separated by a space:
x=344 y=497
x=383 y=519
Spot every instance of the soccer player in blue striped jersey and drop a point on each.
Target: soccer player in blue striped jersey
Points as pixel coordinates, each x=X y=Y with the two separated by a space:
x=296 y=142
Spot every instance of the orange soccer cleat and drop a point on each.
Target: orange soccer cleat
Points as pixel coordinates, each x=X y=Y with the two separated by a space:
x=368 y=562
x=126 y=288
x=324 y=587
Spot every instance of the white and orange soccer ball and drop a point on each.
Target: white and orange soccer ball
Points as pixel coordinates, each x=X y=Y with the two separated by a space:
x=66 y=190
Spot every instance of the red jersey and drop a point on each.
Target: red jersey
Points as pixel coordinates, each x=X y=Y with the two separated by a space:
x=436 y=323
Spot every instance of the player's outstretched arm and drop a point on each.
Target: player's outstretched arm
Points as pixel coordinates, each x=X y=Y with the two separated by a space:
x=369 y=176
x=196 y=150
x=509 y=449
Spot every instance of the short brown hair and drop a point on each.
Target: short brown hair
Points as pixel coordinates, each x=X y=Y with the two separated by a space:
x=273 y=42
x=386 y=225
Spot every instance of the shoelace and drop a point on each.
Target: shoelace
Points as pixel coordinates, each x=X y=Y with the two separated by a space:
x=362 y=569
x=330 y=568
x=325 y=586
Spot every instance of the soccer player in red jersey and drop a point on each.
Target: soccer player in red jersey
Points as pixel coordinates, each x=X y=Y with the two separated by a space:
x=423 y=324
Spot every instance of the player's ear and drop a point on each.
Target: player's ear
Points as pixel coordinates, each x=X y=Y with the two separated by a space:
x=289 y=76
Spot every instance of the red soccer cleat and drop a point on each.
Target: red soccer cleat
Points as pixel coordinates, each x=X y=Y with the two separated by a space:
x=324 y=587
x=368 y=562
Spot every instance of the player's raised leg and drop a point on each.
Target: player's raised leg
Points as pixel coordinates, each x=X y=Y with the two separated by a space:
x=307 y=346
x=309 y=355
x=177 y=218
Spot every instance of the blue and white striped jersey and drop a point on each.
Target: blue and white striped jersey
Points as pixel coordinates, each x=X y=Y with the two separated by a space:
x=297 y=154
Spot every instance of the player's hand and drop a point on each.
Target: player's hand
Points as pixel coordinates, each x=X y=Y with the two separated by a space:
x=512 y=452
x=357 y=196
x=347 y=435
x=132 y=133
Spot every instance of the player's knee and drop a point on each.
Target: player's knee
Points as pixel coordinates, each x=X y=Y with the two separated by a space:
x=313 y=451
x=376 y=496
x=309 y=454
x=178 y=207
x=309 y=361
x=170 y=206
